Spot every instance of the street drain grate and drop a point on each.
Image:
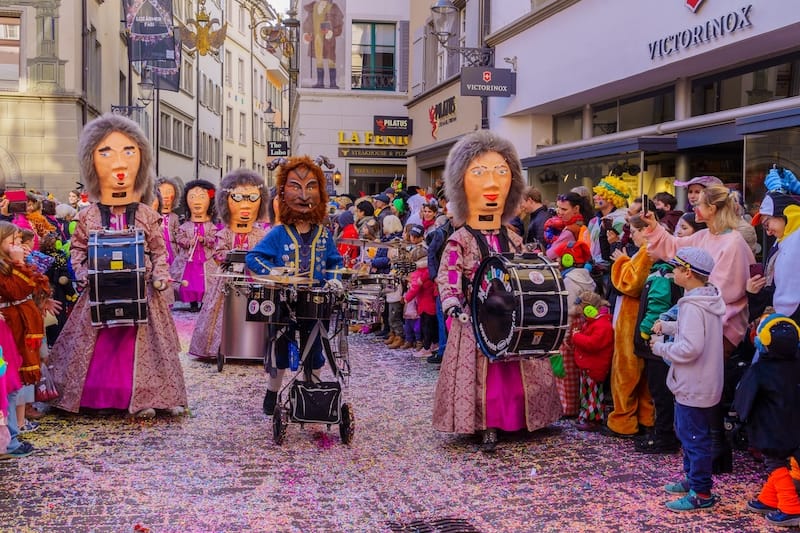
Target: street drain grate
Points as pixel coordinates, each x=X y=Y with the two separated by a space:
x=441 y=525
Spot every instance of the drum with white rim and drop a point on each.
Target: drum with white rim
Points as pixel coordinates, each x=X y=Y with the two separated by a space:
x=519 y=307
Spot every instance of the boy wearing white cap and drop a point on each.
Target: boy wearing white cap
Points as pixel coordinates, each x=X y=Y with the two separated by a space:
x=696 y=375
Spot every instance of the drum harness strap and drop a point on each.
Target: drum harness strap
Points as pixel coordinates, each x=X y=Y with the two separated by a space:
x=130 y=215
x=483 y=245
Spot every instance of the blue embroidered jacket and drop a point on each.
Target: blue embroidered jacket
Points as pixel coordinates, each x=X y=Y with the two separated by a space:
x=283 y=247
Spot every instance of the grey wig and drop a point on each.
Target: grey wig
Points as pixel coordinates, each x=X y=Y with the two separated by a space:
x=93 y=134
x=458 y=161
x=237 y=178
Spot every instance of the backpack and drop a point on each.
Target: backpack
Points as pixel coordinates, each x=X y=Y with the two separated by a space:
x=445 y=230
x=641 y=347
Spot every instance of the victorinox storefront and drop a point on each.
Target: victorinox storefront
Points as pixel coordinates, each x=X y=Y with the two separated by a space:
x=651 y=90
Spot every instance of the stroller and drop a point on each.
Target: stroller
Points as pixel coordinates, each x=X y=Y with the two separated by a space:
x=319 y=315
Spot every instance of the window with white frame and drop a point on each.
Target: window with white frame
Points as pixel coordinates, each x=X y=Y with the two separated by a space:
x=9 y=58
x=240 y=82
x=229 y=123
x=228 y=68
x=187 y=76
x=242 y=128
x=188 y=136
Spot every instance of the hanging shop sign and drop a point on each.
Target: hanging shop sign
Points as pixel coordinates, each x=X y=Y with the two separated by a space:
x=391 y=125
x=485 y=81
x=278 y=148
x=440 y=114
x=701 y=34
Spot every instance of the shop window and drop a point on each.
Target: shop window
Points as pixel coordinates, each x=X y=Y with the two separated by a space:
x=568 y=127
x=765 y=81
x=634 y=112
x=373 y=56
x=763 y=150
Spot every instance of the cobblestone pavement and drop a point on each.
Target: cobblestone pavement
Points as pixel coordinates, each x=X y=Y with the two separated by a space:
x=218 y=469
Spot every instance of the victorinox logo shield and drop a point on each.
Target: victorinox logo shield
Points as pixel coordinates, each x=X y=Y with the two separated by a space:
x=694 y=5
x=487 y=76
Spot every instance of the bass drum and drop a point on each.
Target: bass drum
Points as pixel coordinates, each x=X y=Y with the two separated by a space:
x=519 y=307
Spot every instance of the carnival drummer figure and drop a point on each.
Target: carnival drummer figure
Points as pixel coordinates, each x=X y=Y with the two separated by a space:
x=305 y=246
x=195 y=242
x=170 y=190
x=484 y=182
x=131 y=367
x=241 y=203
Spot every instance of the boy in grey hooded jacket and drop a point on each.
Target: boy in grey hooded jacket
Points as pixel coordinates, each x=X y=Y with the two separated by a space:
x=696 y=373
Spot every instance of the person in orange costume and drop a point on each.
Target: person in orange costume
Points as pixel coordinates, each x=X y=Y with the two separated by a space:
x=633 y=406
x=766 y=401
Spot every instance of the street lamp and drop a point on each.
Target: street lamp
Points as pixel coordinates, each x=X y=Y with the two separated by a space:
x=337 y=177
x=270 y=116
x=280 y=37
x=445 y=14
x=146 y=89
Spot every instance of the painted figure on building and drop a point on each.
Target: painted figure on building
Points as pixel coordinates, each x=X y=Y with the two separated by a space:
x=323 y=23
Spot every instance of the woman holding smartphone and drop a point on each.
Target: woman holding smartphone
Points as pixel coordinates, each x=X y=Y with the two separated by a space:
x=717 y=207
x=775 y=282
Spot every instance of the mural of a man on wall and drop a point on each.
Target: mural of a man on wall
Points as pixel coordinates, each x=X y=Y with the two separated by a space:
x=323 y=23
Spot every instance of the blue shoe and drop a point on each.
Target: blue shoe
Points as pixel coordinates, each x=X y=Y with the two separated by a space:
x=757 y=507
x=779 y=518
x=693 y=502
x=679 y=487
x=23 y=450
x=29 y=426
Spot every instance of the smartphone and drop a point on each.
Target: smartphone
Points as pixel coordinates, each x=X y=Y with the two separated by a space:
x=756 y=269
x=645 y=204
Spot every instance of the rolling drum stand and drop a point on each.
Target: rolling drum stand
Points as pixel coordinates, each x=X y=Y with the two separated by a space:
x=310 y=401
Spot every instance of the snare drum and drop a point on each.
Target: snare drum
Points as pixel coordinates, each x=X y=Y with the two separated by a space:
x=241 y=338
x=375 y=282
x=364 y=307
x=519 y=307
x=267 y=304
x=314 y=303
x=116 y=276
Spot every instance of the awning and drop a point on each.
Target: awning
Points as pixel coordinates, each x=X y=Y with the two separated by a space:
x=776 y=120
x=717 y=134
x=663 y=143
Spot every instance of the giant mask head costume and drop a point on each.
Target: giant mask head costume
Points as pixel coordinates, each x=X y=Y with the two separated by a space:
x=243 y=200
x=199 y=199
x=483 y=180
x=116 y=161
x=171 y=193
x=302 y=191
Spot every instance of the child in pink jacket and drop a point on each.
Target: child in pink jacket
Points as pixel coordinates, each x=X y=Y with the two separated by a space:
x=422 y=289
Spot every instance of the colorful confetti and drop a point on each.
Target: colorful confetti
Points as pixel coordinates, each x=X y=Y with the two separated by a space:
x=219 y=470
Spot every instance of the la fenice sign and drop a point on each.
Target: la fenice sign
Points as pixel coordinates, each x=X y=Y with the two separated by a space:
x=701 y=34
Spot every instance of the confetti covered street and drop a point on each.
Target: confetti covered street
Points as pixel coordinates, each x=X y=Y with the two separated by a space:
x=219 y=470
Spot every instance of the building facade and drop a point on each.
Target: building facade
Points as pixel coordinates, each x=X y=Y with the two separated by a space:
x=352 y=89
x=64 y=63
x=685 y=88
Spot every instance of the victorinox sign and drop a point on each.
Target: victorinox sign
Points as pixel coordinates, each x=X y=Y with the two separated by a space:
x=694 y=5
